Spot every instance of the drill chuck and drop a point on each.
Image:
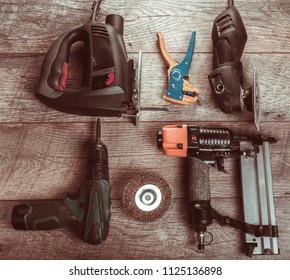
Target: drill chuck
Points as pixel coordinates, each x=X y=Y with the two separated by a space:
x=98 y=167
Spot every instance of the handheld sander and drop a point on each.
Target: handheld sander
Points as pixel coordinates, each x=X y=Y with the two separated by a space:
x=88 y=210
x=110 y=86
x=229 y=38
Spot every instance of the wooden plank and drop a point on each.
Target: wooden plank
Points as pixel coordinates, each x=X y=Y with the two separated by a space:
x=42 y=161
x=31 y=28
x=170 y=237
x=43 y=151
x=20 y=77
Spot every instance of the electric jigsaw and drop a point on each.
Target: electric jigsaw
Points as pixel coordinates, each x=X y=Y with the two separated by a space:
x=109 y=84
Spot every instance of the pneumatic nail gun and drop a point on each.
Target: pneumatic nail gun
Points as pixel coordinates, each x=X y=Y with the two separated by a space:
x=208 y=146
x=109 y=83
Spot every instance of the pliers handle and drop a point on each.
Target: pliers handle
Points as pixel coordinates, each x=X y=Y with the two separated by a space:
x=179 y=90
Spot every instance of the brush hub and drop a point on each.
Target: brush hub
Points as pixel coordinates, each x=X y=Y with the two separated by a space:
x=148 y=197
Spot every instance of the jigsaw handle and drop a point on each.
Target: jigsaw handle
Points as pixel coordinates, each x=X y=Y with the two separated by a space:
x=54 y=73
x=55 y=66
x=40 y=215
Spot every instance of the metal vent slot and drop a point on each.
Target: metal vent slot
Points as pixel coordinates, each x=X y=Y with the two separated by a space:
x=99 y=30
x=225 y=23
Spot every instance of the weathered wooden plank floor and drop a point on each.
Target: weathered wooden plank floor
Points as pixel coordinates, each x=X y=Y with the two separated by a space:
x=43 y=151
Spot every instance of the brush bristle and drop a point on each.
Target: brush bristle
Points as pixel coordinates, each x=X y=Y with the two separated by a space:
x=129 y=197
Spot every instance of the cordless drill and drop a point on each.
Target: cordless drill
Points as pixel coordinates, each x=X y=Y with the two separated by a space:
x=207 y=146
x=88 y=209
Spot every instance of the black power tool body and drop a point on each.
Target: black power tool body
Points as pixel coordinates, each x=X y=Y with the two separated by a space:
x=87 y=210
x=229 y=38
x=108 y=74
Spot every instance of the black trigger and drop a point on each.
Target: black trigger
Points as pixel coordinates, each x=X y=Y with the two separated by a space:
x=221 y=165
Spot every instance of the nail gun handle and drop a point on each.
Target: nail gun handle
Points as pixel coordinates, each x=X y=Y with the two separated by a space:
x=199 y=192
x=40 y=215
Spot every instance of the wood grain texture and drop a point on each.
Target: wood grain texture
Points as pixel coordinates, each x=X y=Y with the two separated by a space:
x=31 y=27
x=43 y=151
x=47 y=161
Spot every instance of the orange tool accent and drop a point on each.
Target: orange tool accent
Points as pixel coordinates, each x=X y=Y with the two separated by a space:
x=179 y=90
x=175 y=140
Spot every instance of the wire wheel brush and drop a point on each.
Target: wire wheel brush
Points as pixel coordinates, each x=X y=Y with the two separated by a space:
x=146 y=197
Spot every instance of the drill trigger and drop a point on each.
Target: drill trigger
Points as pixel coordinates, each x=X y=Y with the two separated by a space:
x=75 y=202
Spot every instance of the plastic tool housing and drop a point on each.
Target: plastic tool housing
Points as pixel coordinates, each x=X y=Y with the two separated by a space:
x=106 y=87
x=229 y=38
x=87 y=210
